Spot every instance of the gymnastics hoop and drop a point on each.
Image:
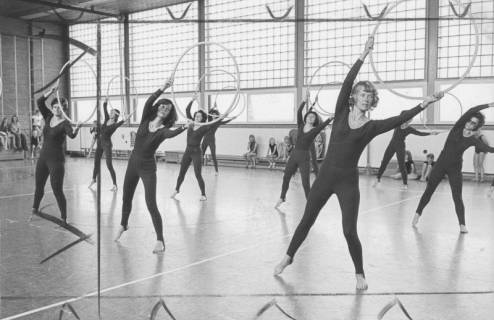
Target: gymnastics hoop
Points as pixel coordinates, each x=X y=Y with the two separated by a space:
x=57 y=85
x=108 y=89
x=244 y=105
x=422 y=118
x=1 y=87
x=236 y=98
x=237 y=71
x=321 y=109
x=454 y=84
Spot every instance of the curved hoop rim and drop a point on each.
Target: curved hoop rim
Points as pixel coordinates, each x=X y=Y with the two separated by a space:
x=1 y=87
x=321 y=109
x=454 y=85
x=244 y=105
x=57 y=85
x=237 y=71
x=232 y=87
x=108 y=88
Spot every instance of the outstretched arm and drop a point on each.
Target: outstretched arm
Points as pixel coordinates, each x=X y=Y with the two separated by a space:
x=483 y=146
x=468 y=115
x=173 y=133
x=420 y=133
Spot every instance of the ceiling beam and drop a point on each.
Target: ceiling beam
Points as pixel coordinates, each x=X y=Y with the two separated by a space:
x=68 y=7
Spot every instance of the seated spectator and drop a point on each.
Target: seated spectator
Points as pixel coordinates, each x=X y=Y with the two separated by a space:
x=5 y=133
x=319 y=144
x=272 y=153
x=20 y=140
x=251 y=154
x=427 y=167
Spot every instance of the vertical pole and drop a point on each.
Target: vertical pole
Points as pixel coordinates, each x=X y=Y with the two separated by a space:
x=98 y=163
x=201 y=12
x=432 y=26
x=1 y=72
x=126 y=62
x=299 y=50
x=30 y=45
x=15 y=77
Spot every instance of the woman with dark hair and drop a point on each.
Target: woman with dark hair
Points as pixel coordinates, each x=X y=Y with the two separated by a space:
x=154 y=128
x=109 y=126
x=351 y=132
x=20 y=140
x=51 y=162
x=309 y=126
x=450 y=161
x=397 y=145
x=193 y=153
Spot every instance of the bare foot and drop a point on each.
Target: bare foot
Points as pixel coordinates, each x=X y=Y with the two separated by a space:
x=203 y=198
x=415 y=220
x=121 y=230
x=278 y=204
x=463 y=228
x=376 y=183
x=361 y=283
x=91 y=184
x=404 y=187
x=174 y=194
x=159 y=247
x=114 y=188
x=287 y=260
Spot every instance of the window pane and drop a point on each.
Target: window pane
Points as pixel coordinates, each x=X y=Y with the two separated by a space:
x=456 y=41
x=272 y=107
x=470 y=95
x=399 y=50
x=265 y=52
x=84 y=109
x=224 y=100
x=391 y=105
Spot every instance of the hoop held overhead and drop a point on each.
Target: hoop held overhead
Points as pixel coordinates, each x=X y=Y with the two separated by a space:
x=237 y=71
x=454 y=85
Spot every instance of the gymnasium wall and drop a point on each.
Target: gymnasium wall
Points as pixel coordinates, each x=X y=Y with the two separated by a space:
x=232 y=140
x=14 y=65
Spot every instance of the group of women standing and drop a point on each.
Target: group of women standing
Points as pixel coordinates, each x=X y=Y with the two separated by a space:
x=351 y=132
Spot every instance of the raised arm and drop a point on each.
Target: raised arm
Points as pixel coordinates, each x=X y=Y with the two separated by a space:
x=187 y=110
x=148 y=106
x=346 y=88
x=105 y=111
x=300 y=117
x=460 y=124
x=45 y=112
x=324 y=124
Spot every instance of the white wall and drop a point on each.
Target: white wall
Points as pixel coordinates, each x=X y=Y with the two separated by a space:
x=233 y=141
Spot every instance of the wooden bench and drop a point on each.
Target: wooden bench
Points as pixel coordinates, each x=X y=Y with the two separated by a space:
x=11 y=155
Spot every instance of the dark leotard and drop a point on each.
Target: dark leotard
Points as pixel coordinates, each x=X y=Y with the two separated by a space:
x=106 y=145
x=450 y=163
x=300 y=156
x=51 y=162
x=209 y=140
x=397 y=145
x=193 y=152
x=339 y=173
x=142 y=165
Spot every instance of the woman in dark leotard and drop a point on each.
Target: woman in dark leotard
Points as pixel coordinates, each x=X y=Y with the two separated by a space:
x=351 y=132
x=109 y=126
x=308 y=128
x=154 y=128
x=51 y=162
x=193 y=153
x=479 y=158
x=397 y=145
x=450 y=161
x=209 y=139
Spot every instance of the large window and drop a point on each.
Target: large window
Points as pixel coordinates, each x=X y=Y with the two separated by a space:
x=469 y=95
x=265 y=52
x=82 y=82
x=456 y=40
x=399 y=51
x=155 y=48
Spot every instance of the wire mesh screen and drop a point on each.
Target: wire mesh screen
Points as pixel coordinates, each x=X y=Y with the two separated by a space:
x=456 y=40
x=265 y=52
x=82 y=82
x=155 y=48
x=399 y=50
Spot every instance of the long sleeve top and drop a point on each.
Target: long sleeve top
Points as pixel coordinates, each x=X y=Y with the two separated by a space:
x=305 y=139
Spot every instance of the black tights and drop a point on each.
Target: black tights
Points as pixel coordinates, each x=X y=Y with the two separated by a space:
x=298 y=159
x=455 y=181
x=212 y=147
x=108 y=155
x=55 y=170
x=400 y=155
x=343 y=183
x=191 y=154
x=145 y=170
